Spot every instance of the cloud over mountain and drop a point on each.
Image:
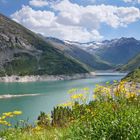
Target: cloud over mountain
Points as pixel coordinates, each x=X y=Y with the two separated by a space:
x=38 y=3
x=70 y=21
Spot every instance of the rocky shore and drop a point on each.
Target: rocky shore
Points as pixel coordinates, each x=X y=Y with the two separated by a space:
x=34 y=78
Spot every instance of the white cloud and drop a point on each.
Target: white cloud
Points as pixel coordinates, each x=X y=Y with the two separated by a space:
x=45 y=22
x=74 y=22
x=38 y=3
x=96 y=14
x=74 y=33
x=34 y=18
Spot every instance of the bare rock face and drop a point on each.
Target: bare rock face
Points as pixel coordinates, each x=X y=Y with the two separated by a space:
x=23 y=52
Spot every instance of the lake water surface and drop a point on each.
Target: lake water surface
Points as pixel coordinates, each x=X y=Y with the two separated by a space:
x=49 y=94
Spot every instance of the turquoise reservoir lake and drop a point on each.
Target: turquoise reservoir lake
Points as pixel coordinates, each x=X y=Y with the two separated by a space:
x=33 y=97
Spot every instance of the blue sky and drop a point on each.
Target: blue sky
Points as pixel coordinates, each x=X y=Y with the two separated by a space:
x=77 y=20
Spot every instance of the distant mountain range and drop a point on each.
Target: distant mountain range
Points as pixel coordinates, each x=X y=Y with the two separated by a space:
x=89 y=61
x=23 y=52
x=123 y=53
x=115 y=52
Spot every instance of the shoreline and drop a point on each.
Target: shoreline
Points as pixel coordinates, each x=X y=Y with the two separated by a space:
x=42 y=78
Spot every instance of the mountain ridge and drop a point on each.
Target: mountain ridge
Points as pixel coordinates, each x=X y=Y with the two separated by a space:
x=21 y=48
x=88 y=60
x=25 y=53
x=115 y=51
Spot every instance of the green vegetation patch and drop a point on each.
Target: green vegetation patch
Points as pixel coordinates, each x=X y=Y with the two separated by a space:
x=132 y=64
x=133 y=76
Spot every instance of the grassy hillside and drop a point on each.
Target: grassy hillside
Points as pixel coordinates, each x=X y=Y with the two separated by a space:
x=22 y=52
x=132 y=64
x=134 y=75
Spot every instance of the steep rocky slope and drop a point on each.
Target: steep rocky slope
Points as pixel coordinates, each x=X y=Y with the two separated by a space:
x=22 y=52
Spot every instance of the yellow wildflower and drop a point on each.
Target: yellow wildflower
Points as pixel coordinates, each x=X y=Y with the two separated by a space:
x=17 y=112
x=8 y=114
x=86 y=89
x=73 y=90
x=3 y=122
x=66 y=104
x=94 y=96
x=3 y=117
x=37 y=128
x=77 y=96
x=130 y=95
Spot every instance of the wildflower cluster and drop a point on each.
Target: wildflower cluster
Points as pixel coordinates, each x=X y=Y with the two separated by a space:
x=67 y=104
x=116 y=91
x=79 y=95
x=8 y=115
